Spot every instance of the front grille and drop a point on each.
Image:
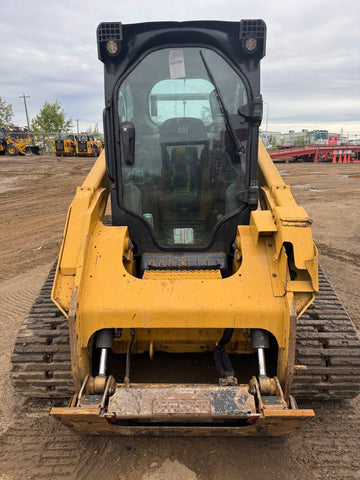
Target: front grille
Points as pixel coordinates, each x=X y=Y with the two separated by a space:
x=252 y=28
x=109 y=31
x=82 y=147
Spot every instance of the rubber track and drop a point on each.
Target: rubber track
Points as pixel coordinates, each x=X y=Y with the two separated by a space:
x=41 y=357
x=327 y=344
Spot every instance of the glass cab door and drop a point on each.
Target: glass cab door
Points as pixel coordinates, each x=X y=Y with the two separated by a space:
x=188 y=172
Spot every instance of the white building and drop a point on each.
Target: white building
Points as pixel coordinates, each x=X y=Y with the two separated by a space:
x=270 y=138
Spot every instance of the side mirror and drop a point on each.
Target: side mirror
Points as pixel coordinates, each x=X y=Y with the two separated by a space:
x=127 y=133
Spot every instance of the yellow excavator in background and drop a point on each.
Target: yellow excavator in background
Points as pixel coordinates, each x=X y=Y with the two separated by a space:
x=187 y=305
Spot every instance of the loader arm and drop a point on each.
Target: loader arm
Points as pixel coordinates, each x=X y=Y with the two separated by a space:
x=266 y=297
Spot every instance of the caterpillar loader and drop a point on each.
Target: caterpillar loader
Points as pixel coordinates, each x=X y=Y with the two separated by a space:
x=86 y=146
x=65 y=145
x=100 y=144
x=186 y=280
x=12 y=147
x=3 y=143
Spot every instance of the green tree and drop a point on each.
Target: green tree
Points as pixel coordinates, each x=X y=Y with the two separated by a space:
x=95 y=132
x=299 y=141
x=51 y=120
x=6 y=114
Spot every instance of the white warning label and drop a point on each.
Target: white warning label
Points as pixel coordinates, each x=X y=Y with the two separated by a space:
x=177 y=64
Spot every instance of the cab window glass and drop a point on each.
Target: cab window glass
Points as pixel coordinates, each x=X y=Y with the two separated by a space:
x=185 y=177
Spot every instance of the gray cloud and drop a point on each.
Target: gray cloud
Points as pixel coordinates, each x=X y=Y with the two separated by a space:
x=310 y=74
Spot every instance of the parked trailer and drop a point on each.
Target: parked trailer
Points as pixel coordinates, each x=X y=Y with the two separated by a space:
x=317 y=153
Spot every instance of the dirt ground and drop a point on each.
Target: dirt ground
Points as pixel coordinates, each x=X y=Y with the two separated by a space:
x=35 y=193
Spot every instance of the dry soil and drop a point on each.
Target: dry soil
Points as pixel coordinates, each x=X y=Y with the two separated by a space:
x=35 y=193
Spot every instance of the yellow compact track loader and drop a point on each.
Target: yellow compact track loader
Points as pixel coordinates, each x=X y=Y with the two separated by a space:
x=65 y=145
x=186 y=280
x=86 y=146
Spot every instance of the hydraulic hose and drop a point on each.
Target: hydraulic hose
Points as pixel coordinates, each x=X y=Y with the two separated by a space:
x=128 y=356
x=222 y=361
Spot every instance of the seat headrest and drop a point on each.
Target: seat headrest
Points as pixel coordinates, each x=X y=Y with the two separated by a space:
x=185 y=129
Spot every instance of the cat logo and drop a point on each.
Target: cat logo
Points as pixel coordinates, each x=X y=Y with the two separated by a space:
x=183 y=130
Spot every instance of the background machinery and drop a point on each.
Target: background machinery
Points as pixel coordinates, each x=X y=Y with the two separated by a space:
x=188 y=306
x=86 y=146
x=65 y=145
x=12 y=147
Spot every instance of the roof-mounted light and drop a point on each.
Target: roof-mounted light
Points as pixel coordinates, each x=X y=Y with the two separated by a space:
x=109 y=38
x=112 y=47
x=250 y=44
x=253 y=36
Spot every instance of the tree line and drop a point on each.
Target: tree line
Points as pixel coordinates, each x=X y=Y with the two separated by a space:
x=51 y=120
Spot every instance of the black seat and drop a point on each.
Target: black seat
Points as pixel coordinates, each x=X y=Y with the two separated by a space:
x=184 y=146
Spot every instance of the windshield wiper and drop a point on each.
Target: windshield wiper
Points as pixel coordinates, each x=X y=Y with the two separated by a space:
x=239 y=148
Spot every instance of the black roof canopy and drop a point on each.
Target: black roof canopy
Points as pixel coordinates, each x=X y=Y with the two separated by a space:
x=242 y=43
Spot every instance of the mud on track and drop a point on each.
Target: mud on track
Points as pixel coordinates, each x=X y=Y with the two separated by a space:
x=35 y=193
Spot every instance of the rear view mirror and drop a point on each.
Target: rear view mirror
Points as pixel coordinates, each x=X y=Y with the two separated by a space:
x=127 y=133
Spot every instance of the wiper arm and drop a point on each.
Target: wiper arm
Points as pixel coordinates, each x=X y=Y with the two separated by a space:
x=239 y=148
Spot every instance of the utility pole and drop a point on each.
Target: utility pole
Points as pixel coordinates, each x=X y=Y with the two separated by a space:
x=27 y=116
x=77 y=125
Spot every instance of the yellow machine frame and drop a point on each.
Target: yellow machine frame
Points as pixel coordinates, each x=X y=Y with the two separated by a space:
x=93 y=148
x=96 y=288
x=69 y=147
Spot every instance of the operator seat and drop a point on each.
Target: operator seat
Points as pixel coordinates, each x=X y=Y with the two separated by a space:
x=185 y=167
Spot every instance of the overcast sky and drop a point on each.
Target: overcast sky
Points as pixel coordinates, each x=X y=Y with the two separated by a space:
x=310 y=75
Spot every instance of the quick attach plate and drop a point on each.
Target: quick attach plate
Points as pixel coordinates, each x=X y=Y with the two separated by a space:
x=181 y=403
